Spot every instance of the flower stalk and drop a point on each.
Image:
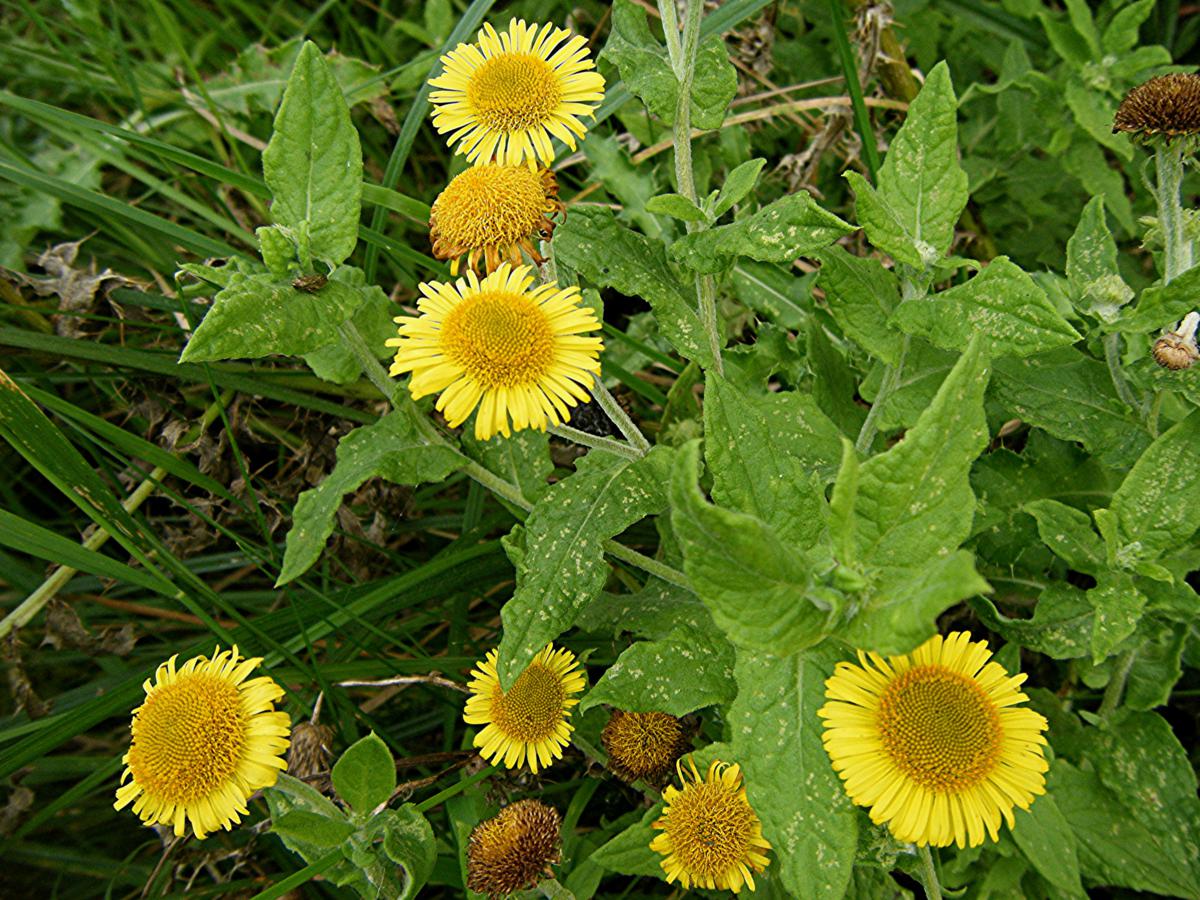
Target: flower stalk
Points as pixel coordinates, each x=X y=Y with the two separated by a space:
x=682 y=55
x=929 y=879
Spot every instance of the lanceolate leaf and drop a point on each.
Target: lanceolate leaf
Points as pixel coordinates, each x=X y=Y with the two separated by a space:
x=759 y=587
x=688 y=670
x=769 y=453
x=313 y=164
x=789 y=781
x=790 y=227
x=393 y=449
x=563 y=566
x=1011 y=314
x=922 y=188
x=915 y=502
x=1157 y=506
x=608 y=254
x=862 y=295
x=257 y=316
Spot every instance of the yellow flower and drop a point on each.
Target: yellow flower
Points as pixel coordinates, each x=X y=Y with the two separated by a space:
x=515 y=353
x=514 y=850
x=204 y=740
x=934 y=742
x=644 y=745
x=711 y=837
x=528 y=721
x=504 y=97
x=493 y=210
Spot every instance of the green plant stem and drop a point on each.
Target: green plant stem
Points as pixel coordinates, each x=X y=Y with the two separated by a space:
x=929 y=879
x=646 y=564
x=1112 y=356
x=1115 y=688
x=455 y=789
x=1177 y=246
x=371 y=367
x=683 y=62
x=595 y=441
x=891 y=381
x=305 y=875
x=618 y=416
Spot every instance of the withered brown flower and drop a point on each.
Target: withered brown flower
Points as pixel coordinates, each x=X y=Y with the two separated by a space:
x=514 y=849
x=1168 y=105
x=644 y=745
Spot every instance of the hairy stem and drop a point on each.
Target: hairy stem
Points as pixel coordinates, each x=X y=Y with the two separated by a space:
x=1112 y=356
x=1115 y=689
x=891 y=381
x=929 y=879
x=375 y=372
x=596 y=441
x=1177 y=247
x=624 y=424
x=683 y=61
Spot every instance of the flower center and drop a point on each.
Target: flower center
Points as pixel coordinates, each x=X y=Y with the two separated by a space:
x=513 y=92
x=710 y=827
x=644 y=743
x=532 y=708
x=188 y=738
x=501 y=339
x=940 y=728
x=491 y=205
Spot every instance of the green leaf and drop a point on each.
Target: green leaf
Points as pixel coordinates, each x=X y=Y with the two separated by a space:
x=1162 y=305
x=409 y=842
x=1046 y=840
x=1117 y=607
x=336 y=362
x=770 y=291
x=629 y=852
x=1069 y=533
x=777 y=741
x=1071 y=396
x=313 y=164
x=301 y=827
x=608 y=254
x=1093 y=111
x=763 y=451
x=645 y=71
x=861 y=295
x=563 y=567
x=257 y=316
x=688 y=670
x=1157 y=506
x=676 y=205
x=632 y=186
x=792 y=226
x=738 y=184
x=922 y=188
x=1011 y=314
x=277 y=249
x=1095 y=280
x=365 y=776
x=1135 y=814
x=901 y=608
x=522 y=459
x=1061 y=625
x=393 y=448
x=758 y=587
x=1121 y=35
x=915 y=502
x=654 y=612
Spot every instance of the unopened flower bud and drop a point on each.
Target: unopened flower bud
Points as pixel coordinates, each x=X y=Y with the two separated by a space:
x=1176 y=350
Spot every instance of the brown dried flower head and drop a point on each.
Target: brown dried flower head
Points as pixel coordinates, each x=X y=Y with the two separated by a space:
x=644 y=745
x=514 y=849
x=1174 y=351
x=310 y=754
x=1167 y=105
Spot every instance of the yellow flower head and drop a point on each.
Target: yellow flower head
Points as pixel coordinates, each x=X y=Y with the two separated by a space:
x=517 y=354
x=514 y=850
x=934 y=741
x=711 y=837
x=644 y=745
x=493 y=210
x=505 y=96
x=528 y=721
x=204 y=740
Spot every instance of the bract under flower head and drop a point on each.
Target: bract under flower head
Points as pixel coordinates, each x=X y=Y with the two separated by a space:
x=504 y=97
